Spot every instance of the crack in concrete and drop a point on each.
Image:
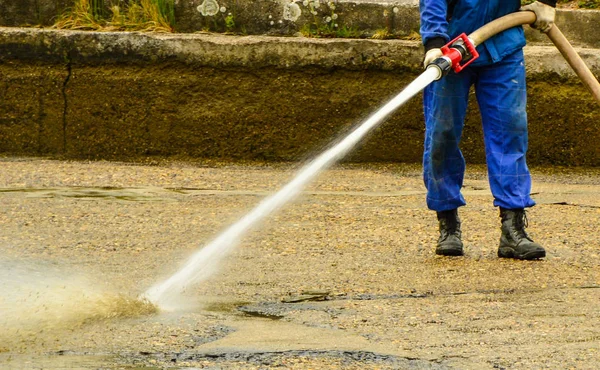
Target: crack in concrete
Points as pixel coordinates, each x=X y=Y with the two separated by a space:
x=66 y=104
x=40 y=122
x=38 y=12
x=266 y=358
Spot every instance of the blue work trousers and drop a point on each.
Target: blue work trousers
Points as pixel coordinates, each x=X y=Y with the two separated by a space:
x=501 y=94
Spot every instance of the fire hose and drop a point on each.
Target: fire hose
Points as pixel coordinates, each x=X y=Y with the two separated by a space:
x=460 y=52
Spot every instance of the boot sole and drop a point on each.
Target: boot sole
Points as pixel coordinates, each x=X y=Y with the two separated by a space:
x=510 y=253
x=455 y=252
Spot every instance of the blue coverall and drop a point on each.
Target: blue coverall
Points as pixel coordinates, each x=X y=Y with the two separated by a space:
x=499 y=79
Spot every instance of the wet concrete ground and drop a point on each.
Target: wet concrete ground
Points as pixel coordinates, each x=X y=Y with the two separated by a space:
x=346 y=276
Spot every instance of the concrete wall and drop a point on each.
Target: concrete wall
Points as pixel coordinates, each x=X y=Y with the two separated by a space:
x=30 y=12
x=129 y=95
x=284 y=17
x=125 y=96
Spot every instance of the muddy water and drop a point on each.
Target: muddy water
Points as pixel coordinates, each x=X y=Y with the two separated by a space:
x=38 y=300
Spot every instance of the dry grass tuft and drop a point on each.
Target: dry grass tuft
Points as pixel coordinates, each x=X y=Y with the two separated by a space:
x=138 y=15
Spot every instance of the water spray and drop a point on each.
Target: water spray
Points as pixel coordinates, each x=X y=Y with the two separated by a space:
x=456 y=55
x=202 y=263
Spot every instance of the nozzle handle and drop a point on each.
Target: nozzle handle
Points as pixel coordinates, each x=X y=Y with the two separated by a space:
x=461 y=52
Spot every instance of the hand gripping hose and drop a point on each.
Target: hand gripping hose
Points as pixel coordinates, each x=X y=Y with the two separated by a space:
x=501 y=24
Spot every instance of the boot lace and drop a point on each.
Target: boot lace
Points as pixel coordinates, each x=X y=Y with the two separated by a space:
x=448 y=227
x=520 y=222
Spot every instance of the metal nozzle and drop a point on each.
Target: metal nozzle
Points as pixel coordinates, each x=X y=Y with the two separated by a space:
x=442 y=64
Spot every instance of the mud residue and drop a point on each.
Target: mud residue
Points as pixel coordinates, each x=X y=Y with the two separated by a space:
x=128 y=112
x=38 y=303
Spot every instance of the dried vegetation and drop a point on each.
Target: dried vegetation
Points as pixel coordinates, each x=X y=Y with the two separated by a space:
x=119 y=15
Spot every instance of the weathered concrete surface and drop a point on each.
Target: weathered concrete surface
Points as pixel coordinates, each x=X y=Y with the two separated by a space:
x=248 y=16
x=31 y=12
x=579 y=27
x=210 y=50
x=110 y=95
x=361 y=233
x=282 y=17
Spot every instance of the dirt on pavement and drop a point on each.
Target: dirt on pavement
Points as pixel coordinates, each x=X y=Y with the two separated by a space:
x=345 y=276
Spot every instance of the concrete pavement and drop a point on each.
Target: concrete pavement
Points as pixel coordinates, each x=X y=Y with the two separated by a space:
x=345 y=276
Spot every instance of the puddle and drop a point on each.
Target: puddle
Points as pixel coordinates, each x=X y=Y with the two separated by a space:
x=223 y=306
x=309 y=358
x=254 y=311
x=38 y=302
x=85 y=193
x=59 y=361
x=243 y=308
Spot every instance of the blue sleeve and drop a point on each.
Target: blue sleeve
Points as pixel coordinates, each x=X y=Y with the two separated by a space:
x=434 y=23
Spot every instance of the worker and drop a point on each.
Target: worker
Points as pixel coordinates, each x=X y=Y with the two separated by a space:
x=498 y=76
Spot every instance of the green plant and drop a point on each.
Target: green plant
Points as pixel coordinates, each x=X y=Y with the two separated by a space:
x=97 y=9
x=166 y=9
x=326 y=21
x=589 y=4
x=82 y=16
x=220 y=17
x=230 y=22
x=348 y=32
x=382 y=34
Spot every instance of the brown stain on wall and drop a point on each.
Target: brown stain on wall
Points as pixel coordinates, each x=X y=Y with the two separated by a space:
x=128 y=112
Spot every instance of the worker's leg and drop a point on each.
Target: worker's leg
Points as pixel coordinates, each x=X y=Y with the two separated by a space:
x=502 y=98
x=445 y=105
x=501 y=93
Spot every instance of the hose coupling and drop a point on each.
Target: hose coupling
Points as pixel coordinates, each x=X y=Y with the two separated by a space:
x=456 y=55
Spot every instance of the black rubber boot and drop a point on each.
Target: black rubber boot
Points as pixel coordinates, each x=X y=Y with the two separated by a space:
x=449 y=243
x=514 y=242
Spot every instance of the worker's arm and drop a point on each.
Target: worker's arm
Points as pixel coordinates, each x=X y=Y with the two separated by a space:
x=434 y=28
x=434 y=23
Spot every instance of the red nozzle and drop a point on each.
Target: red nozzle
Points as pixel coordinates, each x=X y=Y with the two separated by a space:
x=460 y=51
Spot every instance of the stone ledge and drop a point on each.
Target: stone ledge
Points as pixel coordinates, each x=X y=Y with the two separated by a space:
x=215 y=50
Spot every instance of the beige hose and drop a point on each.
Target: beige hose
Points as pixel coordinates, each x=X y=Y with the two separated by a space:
x=575 y=61
x=501 y=24
x=559 y=40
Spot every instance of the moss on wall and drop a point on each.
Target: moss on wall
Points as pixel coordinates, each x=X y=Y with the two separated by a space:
x=169 y=109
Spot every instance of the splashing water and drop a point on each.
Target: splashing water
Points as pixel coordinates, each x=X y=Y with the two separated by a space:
x=203 y=263
x=37 y=304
